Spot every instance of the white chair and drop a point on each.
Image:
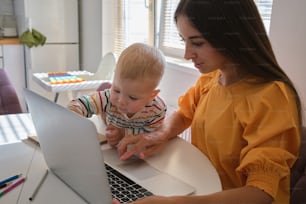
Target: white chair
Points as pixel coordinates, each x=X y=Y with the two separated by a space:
x=105 y=72
x=106 y=68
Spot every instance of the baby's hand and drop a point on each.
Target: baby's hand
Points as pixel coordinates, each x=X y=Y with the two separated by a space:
x=113 y=135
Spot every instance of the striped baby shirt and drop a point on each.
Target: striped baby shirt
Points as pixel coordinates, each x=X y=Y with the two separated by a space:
x=146 y=120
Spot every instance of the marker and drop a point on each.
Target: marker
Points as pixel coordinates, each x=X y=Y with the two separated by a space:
x=14 y=185
x=12 y=178
x=5 y=185
x=38 y=186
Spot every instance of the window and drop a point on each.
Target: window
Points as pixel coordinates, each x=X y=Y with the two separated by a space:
x=170 y=42
x=265 y=10
x=134 y=20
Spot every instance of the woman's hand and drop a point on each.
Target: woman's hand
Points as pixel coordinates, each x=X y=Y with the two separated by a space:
x=242 y=195
x=115 y=201
x=142 y=145
x=145 y=145
x=148 y=200
x=113 y=135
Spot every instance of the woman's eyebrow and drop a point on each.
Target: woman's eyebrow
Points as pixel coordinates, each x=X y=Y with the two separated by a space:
x=195 y=37
x=192 y=37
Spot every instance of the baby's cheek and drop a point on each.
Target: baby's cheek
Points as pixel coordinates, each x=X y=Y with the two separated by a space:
x=113 y=100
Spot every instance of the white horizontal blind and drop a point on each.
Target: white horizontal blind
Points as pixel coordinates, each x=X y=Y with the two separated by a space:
x=120 y=26
x=170 y=42
x=133 y=23
x=265 y=10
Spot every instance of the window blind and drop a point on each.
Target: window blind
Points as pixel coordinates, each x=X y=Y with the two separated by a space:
x=120 y=26
x=133 y=23
x=169 y=40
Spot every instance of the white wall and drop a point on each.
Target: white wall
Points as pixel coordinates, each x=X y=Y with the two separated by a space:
x=90 y=18
x=175 y=82
x=108 y=26
x=287 y=34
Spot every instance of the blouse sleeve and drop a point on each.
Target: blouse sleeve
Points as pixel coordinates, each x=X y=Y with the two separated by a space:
x=189 y=101
x=271 y=131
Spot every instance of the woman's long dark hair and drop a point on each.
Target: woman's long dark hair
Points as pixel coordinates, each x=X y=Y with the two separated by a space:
x=235 y=28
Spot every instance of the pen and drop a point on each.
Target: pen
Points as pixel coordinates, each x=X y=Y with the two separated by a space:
x=38 y=186
x=14 y=185
x=10 y=179
x=5 y=185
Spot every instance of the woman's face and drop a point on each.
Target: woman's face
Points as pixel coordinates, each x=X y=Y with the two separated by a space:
x=203 y=55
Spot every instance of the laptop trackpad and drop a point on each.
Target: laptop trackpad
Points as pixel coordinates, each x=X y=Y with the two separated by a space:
x=135 y=167
x=139 y=169
x=157 y=182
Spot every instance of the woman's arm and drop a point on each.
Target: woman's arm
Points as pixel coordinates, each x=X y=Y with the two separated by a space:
x=151 y=143
x=243 y=195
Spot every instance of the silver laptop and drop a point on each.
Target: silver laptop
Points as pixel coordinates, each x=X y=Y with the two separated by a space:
x=71 y=149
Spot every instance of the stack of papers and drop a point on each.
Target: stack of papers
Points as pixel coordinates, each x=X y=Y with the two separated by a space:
x=34 y=139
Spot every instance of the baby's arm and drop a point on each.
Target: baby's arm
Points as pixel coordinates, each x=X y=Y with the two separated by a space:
x=87 y=105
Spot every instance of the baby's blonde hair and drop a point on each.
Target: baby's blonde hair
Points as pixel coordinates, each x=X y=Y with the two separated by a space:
x=141 y=61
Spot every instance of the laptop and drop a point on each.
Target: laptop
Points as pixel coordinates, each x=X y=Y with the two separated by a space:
x=69 y=143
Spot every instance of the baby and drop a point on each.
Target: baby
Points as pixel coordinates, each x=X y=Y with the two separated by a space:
x=132 y=103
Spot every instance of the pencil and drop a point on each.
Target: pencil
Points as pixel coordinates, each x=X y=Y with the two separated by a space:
x=14 y=185
x=5 y=185
x=38 y=186
x=10 y=179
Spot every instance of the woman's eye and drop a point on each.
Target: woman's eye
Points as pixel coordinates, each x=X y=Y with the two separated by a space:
x=197 y=44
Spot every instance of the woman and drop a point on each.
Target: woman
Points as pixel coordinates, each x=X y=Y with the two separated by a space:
x=244 y=112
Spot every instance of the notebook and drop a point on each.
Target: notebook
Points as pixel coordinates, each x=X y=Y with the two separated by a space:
x=33 y=138
x=70 y=146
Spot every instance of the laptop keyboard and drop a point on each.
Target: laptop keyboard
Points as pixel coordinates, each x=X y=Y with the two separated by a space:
x=123 y=188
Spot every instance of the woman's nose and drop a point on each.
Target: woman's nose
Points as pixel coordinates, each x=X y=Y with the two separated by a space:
x=189 y=53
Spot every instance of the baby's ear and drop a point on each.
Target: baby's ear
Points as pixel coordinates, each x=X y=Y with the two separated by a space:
x=154 y=93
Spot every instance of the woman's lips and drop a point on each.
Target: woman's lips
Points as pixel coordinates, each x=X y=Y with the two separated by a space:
x=198 y=65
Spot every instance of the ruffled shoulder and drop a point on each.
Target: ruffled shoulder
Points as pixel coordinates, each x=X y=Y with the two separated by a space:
x=273 y=96
x=189 y=101
x=206 y=81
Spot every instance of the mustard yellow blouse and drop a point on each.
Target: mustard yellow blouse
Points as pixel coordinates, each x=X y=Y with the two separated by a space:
x=248 y=130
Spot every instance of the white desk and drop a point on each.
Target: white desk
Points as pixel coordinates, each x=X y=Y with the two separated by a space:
x=43 y=80
x=26 y=158
x=15 y=127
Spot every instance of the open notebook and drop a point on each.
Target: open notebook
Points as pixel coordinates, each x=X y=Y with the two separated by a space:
x=71 y=149
x=34 y=139
x=100 y=125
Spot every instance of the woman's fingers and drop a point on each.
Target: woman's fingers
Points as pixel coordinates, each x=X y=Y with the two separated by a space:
x=151 y=150
x=128 y=146
x=139 y=145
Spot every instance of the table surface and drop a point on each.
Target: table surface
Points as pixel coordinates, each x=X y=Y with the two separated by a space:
x=25 y=157
x=15 y=127
x=43 y=80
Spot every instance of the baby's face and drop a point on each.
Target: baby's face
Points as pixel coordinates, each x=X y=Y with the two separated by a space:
x=130 y=96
